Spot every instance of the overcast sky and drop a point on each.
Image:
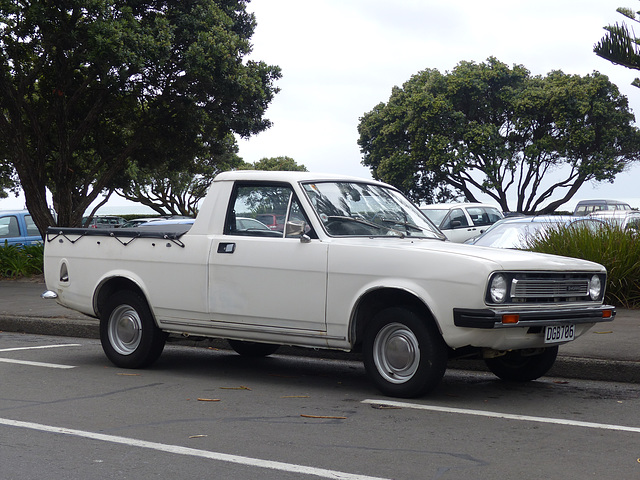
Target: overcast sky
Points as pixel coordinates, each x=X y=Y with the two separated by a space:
x=340 y=58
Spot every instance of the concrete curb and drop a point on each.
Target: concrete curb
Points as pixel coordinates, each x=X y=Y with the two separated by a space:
x=49 y=326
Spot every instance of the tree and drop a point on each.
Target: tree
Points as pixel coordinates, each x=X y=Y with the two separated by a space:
x=271 y=198
x=487 y=128
x=275 y=164
x=178 y=192
x=619 y=45
x=88 y=86
x=7 y=179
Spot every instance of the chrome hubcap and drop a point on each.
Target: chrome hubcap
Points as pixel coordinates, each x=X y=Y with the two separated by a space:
x=125 y=329
x=396 y=353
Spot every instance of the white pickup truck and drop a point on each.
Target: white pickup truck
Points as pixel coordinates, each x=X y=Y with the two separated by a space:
x=352 y=265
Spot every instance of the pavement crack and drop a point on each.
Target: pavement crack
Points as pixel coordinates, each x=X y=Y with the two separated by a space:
x=84 y=397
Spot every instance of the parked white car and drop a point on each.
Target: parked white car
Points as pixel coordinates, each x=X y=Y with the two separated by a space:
x=462 y=221
x=357 y=267
x=622 y=218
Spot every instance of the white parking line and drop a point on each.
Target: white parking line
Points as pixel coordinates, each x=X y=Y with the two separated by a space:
x=253 y=462
x=34 y=364
x=508 y=416
x=38 y=347
x=15 y=349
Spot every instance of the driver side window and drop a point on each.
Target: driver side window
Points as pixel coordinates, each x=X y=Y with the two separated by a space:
x=263 y=210
x=456 y=219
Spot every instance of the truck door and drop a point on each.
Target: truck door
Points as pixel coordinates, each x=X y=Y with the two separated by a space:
x=262 y=276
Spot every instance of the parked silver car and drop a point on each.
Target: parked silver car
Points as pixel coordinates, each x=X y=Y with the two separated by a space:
x=585 y=207
x=518 y=232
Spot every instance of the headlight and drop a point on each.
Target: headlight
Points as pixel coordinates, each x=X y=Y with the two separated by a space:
x=498 y=289
x=595 y=287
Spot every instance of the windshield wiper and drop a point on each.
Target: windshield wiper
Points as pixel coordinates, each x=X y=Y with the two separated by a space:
x=404 y=224
x=364 y=222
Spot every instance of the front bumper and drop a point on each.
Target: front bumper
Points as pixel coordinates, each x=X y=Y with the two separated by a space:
x=511 y=318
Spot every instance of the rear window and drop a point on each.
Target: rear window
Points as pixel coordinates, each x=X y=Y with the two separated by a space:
x=32 y=230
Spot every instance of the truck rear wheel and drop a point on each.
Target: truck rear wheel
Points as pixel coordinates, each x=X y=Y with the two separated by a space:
x=518 y=366
x=404 y=354
x=128 y=333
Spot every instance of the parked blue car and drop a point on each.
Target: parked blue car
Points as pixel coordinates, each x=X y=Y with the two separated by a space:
x=18 y=228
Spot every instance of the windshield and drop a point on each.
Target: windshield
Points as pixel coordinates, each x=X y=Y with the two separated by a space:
x=360 y=209
x=435 y=215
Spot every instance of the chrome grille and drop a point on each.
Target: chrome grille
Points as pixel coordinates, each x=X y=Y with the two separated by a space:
x=547 y=288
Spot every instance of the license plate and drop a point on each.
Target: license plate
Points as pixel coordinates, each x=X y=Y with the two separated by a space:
x=559 y=333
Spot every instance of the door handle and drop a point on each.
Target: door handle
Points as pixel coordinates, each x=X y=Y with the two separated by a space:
x=226 y=247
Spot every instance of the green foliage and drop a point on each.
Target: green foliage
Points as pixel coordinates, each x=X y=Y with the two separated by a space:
x=275 y=164
x=493 y=129
x=617 y=249
x=21 y=261
x=179 y=191
x=89 y=86
x=8 y=180
x=619 y=45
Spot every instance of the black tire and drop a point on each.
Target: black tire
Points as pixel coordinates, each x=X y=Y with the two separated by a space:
x=128 y=333
x=404 y=353
x=518 y=366
x=253 y=349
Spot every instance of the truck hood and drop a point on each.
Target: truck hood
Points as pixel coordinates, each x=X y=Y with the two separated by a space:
x=503 y=258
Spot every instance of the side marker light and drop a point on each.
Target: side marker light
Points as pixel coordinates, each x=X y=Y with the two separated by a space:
x=511 y=318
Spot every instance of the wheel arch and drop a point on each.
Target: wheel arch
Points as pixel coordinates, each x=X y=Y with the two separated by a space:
x=378 y=299
x=111 y=285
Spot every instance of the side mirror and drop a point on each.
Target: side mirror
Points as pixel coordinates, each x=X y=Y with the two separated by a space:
x=456 y=223
x=296 y=230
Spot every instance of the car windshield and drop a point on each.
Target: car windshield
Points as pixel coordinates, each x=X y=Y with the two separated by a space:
x=435 y=215
x=360 y=209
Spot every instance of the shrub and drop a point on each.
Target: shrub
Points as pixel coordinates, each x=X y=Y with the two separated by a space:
x=21 y=261
x=617 y=249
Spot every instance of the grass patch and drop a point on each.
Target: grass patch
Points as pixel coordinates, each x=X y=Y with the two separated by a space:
x=617 y=249
x=21 y=261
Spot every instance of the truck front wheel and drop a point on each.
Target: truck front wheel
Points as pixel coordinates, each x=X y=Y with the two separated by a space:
x=128 y=333
x=403 y=353
x=522 y=366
